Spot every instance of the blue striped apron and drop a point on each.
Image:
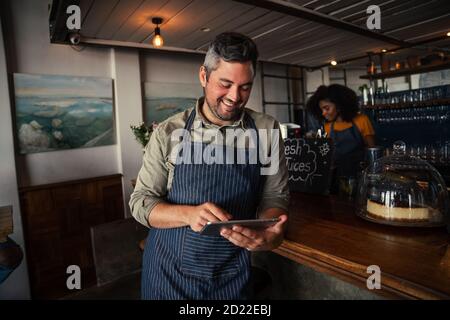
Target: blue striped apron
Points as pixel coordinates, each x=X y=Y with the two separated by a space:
x=349 y=150
x=179 y=263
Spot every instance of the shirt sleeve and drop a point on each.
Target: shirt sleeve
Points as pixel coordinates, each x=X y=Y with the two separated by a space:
x=275 y=192
x=151 y=183
x=364 y=125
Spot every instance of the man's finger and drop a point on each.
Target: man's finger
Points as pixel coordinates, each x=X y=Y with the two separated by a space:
x=280 y=224
x=221 y=214
x=209 y=216
x=236 y=238
x=249 y=233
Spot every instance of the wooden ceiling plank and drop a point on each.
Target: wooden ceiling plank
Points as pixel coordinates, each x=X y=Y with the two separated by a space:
x=412 y=5
x=97 y=16
x=260 y=23
x=85 y=7
x=342 y=6
x=232 y=24
x=271 y=27
x=305 y=30
x=276 y=44
x=275 y=33
x=415 y=16
x=323 y=33
x=298 y=25
x=438 y=23
x=216 y=26
x=246 y=26
x=216 y=11
x=361 y=10
x=118 y=18
x=327 y=42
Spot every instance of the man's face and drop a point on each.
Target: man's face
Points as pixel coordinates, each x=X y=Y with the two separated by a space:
x=227 y=89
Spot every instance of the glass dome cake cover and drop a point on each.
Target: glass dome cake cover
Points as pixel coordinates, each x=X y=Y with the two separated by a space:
x=402 y=190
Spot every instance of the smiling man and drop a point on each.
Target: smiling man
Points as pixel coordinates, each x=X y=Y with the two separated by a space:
x=177 y=198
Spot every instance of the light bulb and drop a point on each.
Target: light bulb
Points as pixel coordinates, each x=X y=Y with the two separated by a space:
x=333 y=62
x=157 y=41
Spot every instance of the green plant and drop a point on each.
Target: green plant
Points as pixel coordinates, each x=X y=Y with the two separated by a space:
x=142 y=133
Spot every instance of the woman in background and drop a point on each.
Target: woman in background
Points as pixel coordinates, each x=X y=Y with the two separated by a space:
x=350 y=130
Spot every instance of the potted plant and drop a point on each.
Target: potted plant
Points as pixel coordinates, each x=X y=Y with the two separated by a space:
x=142 y=133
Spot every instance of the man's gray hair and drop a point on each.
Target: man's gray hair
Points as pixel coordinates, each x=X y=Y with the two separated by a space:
x=230 y=47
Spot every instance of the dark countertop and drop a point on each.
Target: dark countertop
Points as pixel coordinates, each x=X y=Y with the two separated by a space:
x=324 y=233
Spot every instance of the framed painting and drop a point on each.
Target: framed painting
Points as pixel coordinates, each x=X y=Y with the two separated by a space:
x=55 y=112
x=163 y=100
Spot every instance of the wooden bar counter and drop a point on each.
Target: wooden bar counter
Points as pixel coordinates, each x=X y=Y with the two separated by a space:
x=325 y=234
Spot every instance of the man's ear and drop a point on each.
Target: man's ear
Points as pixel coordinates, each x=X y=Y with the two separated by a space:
x=202 y=76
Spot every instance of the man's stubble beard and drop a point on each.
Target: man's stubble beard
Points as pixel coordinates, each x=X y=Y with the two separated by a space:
x=214 y=110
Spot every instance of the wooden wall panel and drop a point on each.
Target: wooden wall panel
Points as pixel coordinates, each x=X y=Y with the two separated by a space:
x=57 y=221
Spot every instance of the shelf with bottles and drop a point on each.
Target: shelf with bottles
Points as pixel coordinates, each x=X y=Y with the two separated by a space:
x=435 y=114
x=423 y=97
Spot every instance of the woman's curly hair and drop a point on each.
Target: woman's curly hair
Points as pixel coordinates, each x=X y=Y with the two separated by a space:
x=344 y=98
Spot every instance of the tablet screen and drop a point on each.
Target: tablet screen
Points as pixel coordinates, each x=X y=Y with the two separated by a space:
x=213 y=228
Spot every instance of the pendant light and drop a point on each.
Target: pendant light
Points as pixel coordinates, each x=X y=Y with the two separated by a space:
x=157 y=40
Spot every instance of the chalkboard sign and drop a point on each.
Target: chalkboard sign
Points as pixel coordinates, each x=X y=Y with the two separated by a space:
x=309 y=164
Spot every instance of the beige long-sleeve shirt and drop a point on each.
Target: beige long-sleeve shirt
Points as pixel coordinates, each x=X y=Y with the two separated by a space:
x=156 y=174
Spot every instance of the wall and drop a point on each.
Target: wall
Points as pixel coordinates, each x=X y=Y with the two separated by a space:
x=16 y=286
x=35 y=54
x=125 y=69
x=275 y=90
x=316 y=78
x=354 y=81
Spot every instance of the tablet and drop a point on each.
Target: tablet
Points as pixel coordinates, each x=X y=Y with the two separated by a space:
x=213 y=228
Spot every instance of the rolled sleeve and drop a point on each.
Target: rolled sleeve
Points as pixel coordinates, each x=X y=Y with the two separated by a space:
x=276 y=190
x=151 y=183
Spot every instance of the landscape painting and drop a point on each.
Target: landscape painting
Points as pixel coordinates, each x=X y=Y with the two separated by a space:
x=163 y=100
x=55 y=112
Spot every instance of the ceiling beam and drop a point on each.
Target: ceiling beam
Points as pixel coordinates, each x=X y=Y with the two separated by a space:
x=318 y=17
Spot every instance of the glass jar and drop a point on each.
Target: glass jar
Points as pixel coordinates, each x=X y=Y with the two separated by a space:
x=402 y=190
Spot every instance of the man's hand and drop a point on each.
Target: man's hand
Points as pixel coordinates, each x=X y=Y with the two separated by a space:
x=257 y=240
x=198 y=216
